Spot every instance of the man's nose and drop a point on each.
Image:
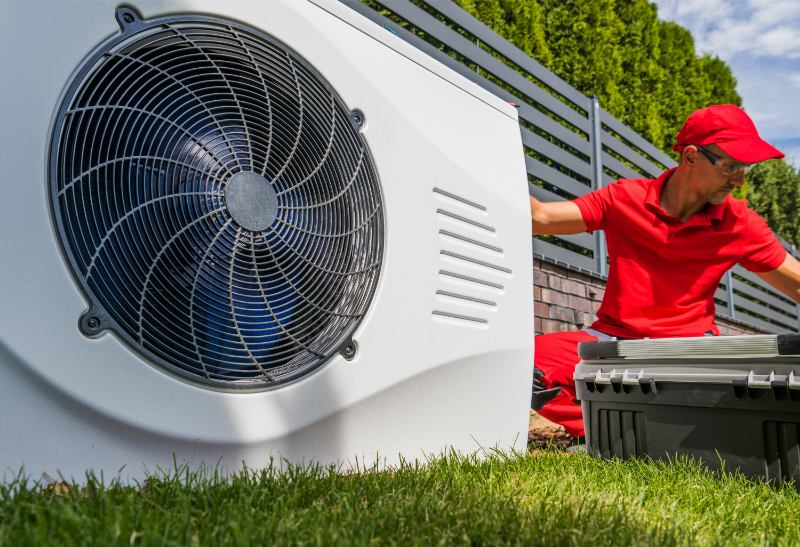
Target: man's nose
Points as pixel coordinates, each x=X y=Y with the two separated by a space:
x=737 y=179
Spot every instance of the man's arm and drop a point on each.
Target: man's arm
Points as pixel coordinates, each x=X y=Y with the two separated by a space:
x=557 y=217
x=785 y=278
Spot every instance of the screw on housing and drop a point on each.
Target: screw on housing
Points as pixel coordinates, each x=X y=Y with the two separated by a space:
x=127 y=18
x=349 y=350
x=90 y=323
x=357 y=117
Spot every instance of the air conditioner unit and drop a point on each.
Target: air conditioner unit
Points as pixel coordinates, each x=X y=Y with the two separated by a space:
x=235 y=231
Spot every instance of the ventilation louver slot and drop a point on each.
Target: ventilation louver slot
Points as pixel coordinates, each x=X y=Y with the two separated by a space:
x=472 y=267
x=782 y=451
x=216 y=201
x=618 y=433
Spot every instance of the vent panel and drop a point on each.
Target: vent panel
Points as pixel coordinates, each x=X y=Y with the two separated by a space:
x=469 y=241
x=459 y=317
x=216 y=202
x=459 y=199
x=464 y=220
x=472 y=269
x=467 y=298
x=491 y=267
x=463 y=279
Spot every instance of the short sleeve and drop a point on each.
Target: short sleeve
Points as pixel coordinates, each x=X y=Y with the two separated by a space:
x=595 y=207
x=761 y=250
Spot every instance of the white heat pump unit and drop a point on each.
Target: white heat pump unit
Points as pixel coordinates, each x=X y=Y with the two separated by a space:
x=235 y=231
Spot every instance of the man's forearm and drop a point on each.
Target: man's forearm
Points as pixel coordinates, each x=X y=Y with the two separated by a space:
x=786 y=278
x=536 y=207
x=554 y=218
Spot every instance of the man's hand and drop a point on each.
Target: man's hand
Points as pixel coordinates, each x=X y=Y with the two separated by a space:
x=556 y=217
x=785 y=278
x=540 y=395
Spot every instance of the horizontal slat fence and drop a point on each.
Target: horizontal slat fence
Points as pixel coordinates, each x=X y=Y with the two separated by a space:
x=572 y=146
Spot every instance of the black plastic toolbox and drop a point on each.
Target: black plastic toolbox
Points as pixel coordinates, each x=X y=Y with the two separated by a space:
x=731 y=399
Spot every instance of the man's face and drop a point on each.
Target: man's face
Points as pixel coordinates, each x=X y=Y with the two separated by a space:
x=716 y=180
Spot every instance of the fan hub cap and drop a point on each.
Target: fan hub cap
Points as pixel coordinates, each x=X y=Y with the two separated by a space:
x=251 y=201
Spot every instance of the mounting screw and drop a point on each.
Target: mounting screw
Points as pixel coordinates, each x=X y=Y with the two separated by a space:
x=349 y=350
x=358 y=118
x=90 y=323
x=126 y=18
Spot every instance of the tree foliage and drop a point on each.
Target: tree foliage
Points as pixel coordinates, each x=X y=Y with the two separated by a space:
x=646 y=72
x=773 y=189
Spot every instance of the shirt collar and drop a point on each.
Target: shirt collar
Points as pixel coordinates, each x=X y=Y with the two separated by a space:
x=710 y=213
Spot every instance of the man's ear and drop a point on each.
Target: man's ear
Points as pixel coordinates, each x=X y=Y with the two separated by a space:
x=690 y=155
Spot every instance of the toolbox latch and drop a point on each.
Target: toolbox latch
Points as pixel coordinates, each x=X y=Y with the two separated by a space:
x=756 y=384
x=794 y=383
x=625 y=380
x=648 y=385
x=760 y=381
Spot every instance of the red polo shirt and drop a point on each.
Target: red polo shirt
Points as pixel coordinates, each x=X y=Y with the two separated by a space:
x=663 y=272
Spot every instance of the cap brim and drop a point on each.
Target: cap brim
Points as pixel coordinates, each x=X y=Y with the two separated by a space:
x=751 y=150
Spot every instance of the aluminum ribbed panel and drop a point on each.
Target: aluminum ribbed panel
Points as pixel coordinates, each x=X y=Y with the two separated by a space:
x=711 y=346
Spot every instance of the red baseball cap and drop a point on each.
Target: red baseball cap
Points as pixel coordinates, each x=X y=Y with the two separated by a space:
x=730 y=128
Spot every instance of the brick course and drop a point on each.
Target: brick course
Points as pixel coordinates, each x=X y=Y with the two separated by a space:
x=552 y=296
x=574 y=287
x=562 y=314
x=582 y=304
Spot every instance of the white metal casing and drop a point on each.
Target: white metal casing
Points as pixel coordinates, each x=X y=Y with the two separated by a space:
x=423 y=380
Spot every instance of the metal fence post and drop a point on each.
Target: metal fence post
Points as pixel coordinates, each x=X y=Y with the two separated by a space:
x=729 y=292
x=796 y=306
x=597 y=180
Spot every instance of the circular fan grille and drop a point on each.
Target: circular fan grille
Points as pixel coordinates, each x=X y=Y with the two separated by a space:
x=216 y=201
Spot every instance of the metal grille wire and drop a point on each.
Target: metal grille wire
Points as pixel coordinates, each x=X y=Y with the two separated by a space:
x=150 y=132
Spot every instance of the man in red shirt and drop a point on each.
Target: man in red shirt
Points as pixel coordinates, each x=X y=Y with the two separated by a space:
x=670 y=240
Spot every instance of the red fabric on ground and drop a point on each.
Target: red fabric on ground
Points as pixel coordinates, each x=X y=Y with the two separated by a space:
x=556 y=355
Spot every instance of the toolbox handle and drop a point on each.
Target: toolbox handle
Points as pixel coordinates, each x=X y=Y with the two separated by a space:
x=697 y=346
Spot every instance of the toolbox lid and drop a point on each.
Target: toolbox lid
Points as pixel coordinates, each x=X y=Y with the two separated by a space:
x=694 y=347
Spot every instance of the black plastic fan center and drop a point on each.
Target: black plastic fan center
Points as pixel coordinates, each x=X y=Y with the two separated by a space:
x=251 y=201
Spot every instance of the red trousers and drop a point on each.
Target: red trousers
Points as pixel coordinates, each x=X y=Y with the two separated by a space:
x=556 y=355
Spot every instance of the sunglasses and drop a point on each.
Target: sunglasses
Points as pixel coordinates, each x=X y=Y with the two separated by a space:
x=728 y=168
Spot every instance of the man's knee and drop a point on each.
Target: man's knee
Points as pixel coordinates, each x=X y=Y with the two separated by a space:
x=556 y=355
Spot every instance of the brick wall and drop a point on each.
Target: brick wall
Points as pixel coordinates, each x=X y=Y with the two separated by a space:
x=567 y=299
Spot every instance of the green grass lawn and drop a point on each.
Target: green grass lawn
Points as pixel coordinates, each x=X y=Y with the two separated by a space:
x=542 y=498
